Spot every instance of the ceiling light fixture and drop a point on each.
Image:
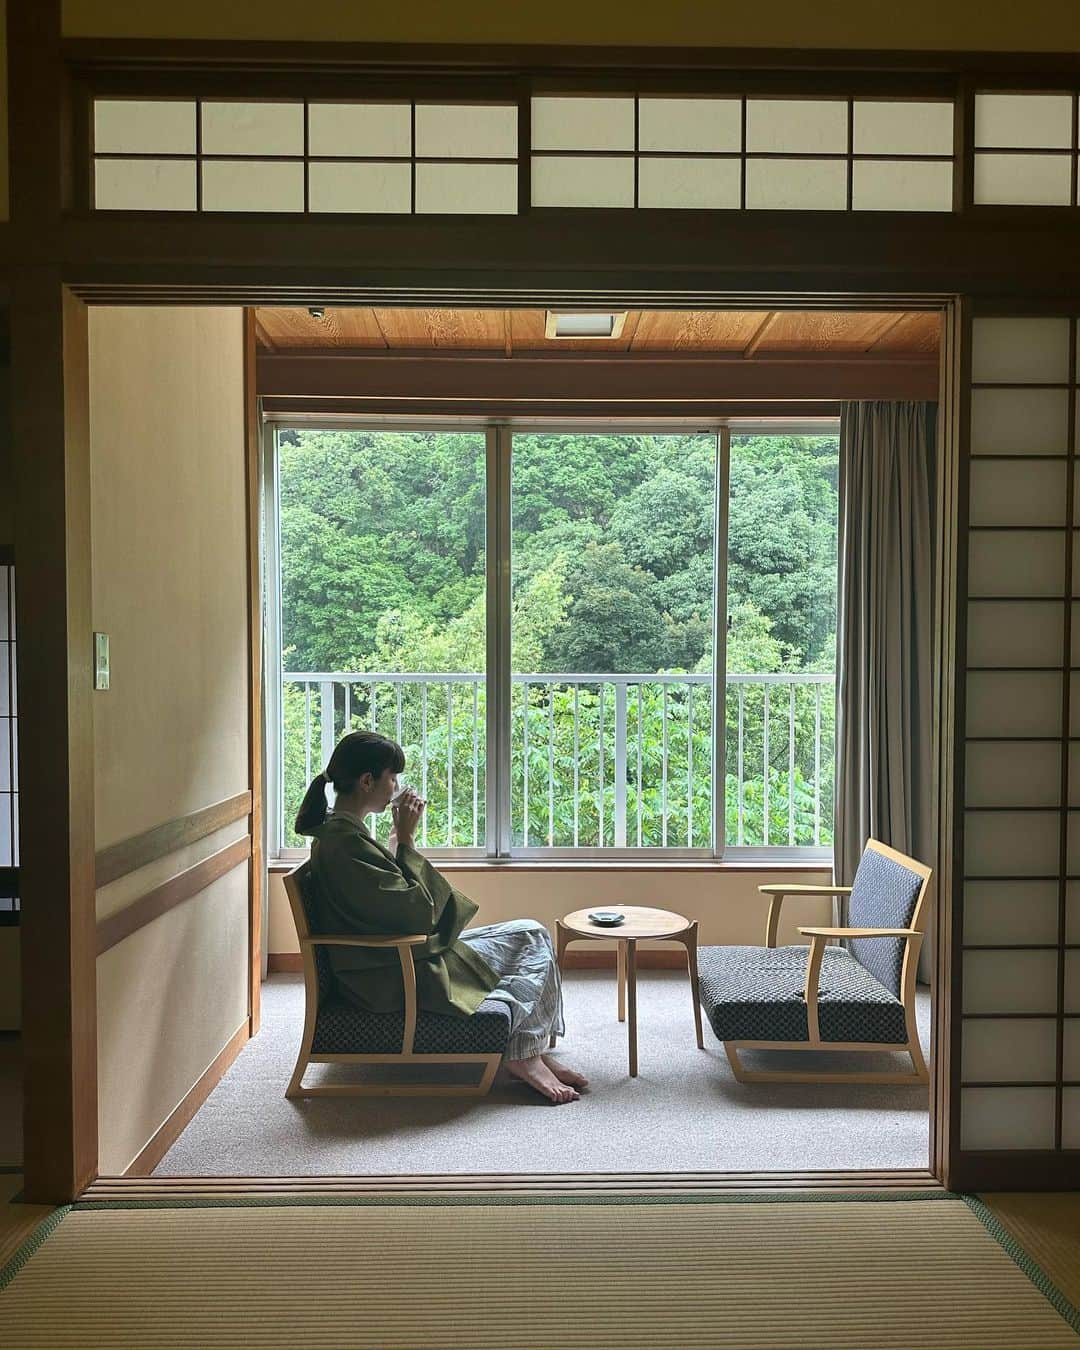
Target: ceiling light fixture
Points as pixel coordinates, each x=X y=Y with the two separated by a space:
x=584 y=323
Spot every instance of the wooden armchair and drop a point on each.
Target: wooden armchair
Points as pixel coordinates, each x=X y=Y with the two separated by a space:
x=823 y=997
x=337 y=1032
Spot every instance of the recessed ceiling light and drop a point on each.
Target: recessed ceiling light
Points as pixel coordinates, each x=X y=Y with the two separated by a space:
x=584 y=323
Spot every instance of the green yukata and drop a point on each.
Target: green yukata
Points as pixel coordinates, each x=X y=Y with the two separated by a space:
x=366 y=890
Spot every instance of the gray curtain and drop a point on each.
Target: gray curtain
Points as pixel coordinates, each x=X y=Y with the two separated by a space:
x=885 y=627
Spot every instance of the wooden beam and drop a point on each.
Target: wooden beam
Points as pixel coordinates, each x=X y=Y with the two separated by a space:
x=681 y=383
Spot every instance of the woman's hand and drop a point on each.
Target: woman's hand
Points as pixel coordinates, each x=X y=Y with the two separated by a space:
x=407 y=810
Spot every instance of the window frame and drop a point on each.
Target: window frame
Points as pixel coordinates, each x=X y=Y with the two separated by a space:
x=498 y=848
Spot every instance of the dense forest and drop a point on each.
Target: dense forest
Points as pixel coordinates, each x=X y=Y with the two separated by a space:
x=383 y=570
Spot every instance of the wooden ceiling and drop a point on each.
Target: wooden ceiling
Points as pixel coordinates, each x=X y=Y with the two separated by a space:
x=746 y=333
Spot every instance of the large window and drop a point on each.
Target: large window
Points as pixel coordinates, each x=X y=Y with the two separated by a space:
x=603 y=640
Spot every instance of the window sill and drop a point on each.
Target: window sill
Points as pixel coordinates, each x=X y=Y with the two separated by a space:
x=785 y=865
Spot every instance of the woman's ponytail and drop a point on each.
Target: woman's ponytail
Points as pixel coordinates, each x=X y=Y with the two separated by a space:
x=354 y=755
x=312 y=811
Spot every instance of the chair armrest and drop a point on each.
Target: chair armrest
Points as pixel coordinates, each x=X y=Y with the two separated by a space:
x=860 y=932
x=818 y=940
x=408 y=971
x=354 y=940
x=776 y=893
x=779 y=888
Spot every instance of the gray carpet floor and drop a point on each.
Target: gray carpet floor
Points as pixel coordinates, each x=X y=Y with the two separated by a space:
x=684 y=1112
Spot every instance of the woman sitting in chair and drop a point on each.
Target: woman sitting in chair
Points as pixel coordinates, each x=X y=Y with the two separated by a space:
x=367 y=889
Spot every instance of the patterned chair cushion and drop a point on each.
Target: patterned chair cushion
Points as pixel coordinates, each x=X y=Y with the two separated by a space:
x=883 y=895
x=342 y=1029
x=756 y=994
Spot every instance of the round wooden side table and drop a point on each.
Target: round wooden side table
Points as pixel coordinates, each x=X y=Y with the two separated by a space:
x=640 y=924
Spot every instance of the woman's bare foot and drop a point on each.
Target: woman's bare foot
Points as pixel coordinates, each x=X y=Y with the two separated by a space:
x=570 y=1077
x=538 y=1076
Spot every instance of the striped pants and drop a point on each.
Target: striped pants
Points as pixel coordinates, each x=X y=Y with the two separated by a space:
x=521 y=952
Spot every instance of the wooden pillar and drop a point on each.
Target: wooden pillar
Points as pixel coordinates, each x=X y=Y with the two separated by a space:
x=51 y=462
x=52 y=567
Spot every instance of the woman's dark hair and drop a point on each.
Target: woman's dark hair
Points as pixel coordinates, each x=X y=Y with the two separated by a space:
x=354 y=755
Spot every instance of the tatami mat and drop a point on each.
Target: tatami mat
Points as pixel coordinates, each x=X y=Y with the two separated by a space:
x=1047 y=1226
x=837 y=1273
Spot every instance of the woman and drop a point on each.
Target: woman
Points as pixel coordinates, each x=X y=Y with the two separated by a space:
x=365 y=888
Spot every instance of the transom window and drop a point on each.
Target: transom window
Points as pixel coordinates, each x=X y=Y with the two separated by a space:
x=588 y=640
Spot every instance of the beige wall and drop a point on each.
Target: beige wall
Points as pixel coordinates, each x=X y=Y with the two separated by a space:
x=725 y=903
x=170 y=734
x=1040 y=25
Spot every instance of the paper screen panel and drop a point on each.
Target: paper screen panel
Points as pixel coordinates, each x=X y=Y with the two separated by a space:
x=1072 y=982
x=1023 y=121
x=1020 y=351
x=710 y=125
x=796 y=126
x=144 y=126
x=902 y=128
x=584 y=180
x=1071 y=1047
x=1070 y=1118
x=676 y=183
x=902 y=185
x=466 y=131
x=1010 y=1050
x=796 y=184
x=1019 y=421
x=1001 y=773
x=360 y=130
x=1017 y=563
x=252 y=128
x=252 y=185
x=1007 y=1118
x=1010 y=913
x=1016 y=633
x=1023 y=180
x=1014 y=703
x=1010 y=982
x=570 y=123
x=1011 y=844
x=467 y=189
x=1072 y=913
x=1005 y=492
x=145 y=185
x=360 y=189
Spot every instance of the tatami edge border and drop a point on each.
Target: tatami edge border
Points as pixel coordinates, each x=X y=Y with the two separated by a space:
x=30 y=1245
x=1031 y=1268
x=434 y=1199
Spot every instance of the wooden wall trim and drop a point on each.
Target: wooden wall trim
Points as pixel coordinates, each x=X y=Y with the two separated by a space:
x=184 y=1112
x=625 y=379
x=141 y=849
x=171 y=893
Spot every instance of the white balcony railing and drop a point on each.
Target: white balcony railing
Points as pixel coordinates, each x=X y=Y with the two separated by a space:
x=596 y=760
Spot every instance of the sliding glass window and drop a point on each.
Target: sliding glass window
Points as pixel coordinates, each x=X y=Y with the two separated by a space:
x=544 y=616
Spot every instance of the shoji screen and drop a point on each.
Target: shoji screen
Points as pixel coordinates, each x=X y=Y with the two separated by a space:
x=1020 y=1061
